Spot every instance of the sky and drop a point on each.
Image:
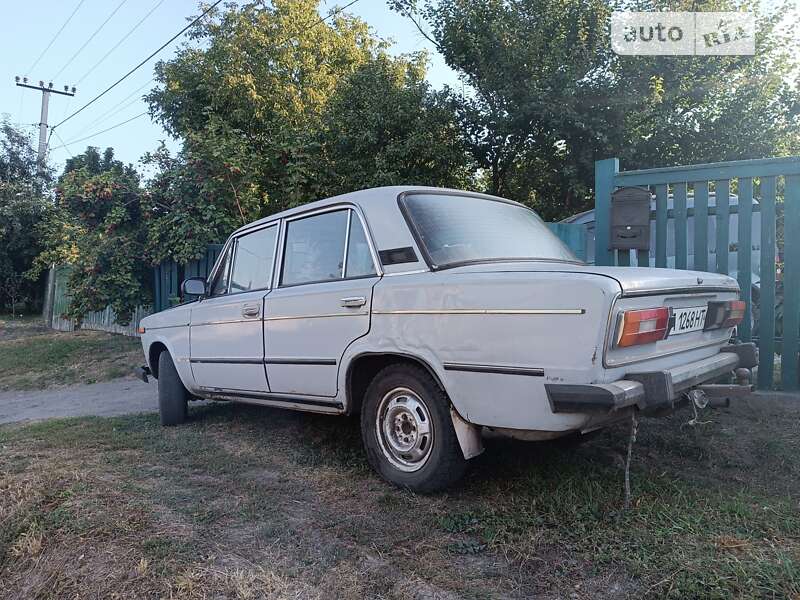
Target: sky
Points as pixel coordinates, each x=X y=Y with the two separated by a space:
x=99 y=26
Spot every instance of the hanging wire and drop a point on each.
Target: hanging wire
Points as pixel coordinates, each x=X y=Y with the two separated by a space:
x=91 y=37
x=138 y=66
x=98 y=132
x=119 y=43
x=69 y=18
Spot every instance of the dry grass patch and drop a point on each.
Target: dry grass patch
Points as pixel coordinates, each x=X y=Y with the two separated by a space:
x=34 y=357
x=254 y=503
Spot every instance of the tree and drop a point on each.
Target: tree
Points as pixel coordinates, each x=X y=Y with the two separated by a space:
x=249 y=100
x=547 y=97
x=384 y=126
x=96 y=227
x=23 y=202
x=277 y=108
x=184 y=208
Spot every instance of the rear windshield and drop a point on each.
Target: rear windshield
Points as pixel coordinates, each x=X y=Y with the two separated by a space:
x=465 y=229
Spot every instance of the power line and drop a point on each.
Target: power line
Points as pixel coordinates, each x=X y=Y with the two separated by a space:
x=109 y=113
x=97 y=132
x=91 y=37
x=333 y=12
x=117 y=108
x=62 y=146
x=134 y=69
x=117 y=45
x=69 y=18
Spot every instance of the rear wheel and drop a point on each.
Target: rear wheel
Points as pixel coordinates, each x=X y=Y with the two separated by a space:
x=407 y=430
x=173 y=399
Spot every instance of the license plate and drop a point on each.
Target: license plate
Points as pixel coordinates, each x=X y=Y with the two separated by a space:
x=687 y=320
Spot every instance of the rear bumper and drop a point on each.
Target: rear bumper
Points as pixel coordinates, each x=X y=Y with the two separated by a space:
x=652 y=391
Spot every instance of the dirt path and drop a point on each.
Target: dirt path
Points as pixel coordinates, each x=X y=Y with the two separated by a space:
x=115 y=397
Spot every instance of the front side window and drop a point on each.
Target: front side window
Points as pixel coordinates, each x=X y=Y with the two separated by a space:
x=220 y=284
x=464 y=229
x=314 y=250
x=252 y=263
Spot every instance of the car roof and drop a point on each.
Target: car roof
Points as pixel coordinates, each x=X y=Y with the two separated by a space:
x=366 y=199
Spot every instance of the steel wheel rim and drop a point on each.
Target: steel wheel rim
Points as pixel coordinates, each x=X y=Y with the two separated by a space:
x=404 y=429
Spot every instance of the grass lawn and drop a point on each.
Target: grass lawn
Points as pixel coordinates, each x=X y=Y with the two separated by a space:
x=248 y=502
x=34 y=357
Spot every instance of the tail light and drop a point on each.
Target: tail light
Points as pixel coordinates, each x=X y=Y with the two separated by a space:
x=725 y=314
x=643 y=326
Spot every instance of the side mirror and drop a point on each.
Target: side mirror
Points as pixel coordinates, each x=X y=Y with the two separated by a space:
x=194 y=286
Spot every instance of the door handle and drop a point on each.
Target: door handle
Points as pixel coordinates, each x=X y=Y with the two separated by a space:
x=251 y=310
x=353 y=301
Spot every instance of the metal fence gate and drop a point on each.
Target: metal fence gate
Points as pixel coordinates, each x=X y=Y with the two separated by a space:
x=768 y=187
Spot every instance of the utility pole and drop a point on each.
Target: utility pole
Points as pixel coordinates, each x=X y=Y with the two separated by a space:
x=49 y=290
x=46 y=91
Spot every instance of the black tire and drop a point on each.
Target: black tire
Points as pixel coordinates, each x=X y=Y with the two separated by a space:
x=444 y=463
x=172 y=396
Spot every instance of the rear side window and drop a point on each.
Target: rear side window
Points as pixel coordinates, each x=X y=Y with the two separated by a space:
x=315 y=248
x=359 y=257
x=252 y=263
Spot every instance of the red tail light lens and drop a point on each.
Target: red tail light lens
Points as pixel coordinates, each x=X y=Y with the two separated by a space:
x=725 y=314
x=642 y=326
x=735 y=313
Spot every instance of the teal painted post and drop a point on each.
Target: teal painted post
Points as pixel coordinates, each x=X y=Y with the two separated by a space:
x=744 y=252
x=681 y=245
x=701 y=226
x=766 y=320
x=722 y=193
x=642 y=258
x=661 y=225
x=624 y=258
x=791 y=283
x=157 y=288
x=604 y=173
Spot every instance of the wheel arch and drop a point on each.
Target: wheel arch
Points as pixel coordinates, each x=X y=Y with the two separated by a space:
x=363 y=367
x=153 y=352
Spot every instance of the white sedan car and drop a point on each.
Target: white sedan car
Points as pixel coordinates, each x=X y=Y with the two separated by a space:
x=437 y=315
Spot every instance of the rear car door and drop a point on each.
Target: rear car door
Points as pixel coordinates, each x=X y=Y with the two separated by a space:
x=322 y=302
x=226 y=334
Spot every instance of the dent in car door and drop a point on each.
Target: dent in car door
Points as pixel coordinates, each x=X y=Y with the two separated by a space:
x=322 y=303
x=227 y=330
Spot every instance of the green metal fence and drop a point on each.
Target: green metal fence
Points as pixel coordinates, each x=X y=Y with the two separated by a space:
x=167 y=276
x=775 y=184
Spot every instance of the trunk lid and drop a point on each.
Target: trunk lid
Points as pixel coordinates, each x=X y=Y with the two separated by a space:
x=633 y=281
x=645 y=288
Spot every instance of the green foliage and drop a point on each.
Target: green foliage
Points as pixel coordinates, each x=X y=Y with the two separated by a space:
x=22 y=205
x=277 y=109
x=184 y=209
x=384 y=126
x=96 y=226
x=547 y=97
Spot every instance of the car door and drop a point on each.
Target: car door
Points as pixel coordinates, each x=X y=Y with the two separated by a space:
x=322 y=301
x=226 y=336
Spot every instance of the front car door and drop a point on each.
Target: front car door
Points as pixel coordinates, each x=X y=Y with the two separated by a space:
x=226 y=335
x=322 y=301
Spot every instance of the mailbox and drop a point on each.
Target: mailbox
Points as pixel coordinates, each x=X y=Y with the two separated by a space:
x=630 y=219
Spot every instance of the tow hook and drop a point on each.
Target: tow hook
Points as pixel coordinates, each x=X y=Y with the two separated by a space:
x=698 y=398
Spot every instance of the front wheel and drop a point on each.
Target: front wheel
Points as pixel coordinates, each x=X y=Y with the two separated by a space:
x=407 y=430
x=173 y=398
